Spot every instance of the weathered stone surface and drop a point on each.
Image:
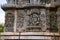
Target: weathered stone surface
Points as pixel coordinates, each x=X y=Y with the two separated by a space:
x=9 y=22
x=20 y=19
x=32 y=17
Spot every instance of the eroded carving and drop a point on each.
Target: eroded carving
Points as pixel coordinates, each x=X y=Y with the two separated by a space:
x=20 y=19
x=34 y=19
x=9 y=22
x=53 y=21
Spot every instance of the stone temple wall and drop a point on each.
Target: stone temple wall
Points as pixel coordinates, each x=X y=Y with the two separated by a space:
x=31 y=16
x=41 y=19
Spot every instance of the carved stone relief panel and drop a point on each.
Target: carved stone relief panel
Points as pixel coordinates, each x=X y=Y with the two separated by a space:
x=37 y=18
x=9 y=22
x=20 y=20
x=34 y=17
x=53 y=21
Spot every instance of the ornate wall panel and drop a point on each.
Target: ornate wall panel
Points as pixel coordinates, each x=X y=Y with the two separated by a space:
x=9 y=22
x=20 y=19
x=53 y=22
x=34 y=19
x=38 y=19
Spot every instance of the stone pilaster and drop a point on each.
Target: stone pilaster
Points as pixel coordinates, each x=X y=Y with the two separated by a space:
x=43 y=19
x=15 y=21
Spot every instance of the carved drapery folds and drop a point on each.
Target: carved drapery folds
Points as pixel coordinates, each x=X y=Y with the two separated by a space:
x=9 y=22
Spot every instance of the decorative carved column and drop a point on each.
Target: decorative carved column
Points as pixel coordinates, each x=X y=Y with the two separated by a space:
x=15 y=21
